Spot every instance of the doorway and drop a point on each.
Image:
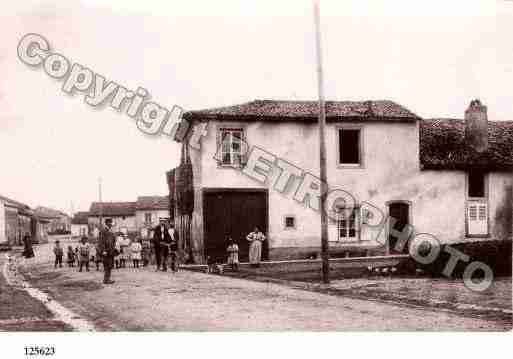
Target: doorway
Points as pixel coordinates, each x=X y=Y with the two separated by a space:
x=235 y=213
x=400 y=211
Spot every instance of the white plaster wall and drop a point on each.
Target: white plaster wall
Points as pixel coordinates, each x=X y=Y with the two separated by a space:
x=3 y=235
x=390 y=172
x=155 y=215
x=500 y=204
x=118 y=223
x=75 y=229
x=381 y=178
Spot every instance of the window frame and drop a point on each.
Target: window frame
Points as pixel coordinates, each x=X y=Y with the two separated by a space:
x=467 y=186
x=477 y=201
x=294 y=227
x=353 y=127
x=219 y=139
x=357 y=226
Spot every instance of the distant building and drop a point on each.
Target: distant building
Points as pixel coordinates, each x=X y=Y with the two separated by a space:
x=17 y=220
x=121 y=214
x=59 y=222
x=80 y=224
x=149 y=210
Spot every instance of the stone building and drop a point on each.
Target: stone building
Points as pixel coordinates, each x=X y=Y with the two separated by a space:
x=121 y=214
x=80 y=224
x=59 y=222
x=390 y=173
x=16 y=220
x=148 y=212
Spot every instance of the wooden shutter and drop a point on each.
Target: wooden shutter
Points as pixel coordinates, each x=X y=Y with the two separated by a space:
x=477 y=218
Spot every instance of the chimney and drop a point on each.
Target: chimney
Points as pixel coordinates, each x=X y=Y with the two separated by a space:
x=476 y=126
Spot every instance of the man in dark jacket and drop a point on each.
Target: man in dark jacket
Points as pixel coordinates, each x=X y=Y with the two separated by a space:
x=160 y=234
x=107 y=249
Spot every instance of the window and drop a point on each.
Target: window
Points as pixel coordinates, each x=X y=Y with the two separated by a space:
x=477 y=206
x=477 y=218
x=347 y=224
x=147 y=218
x=290 y=222
x=476 y=184
x=349 y=146
x=231 y=146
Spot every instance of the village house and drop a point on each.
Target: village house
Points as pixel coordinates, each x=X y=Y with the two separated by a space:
x=59 y=222
x=18 y=219
x=80 y=224
x=121 y=214
x=450 y=178
x=148 y=212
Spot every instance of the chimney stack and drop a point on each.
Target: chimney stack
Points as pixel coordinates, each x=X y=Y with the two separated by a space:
x=476 y=126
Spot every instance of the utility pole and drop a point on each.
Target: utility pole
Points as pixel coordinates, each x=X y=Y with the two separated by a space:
x=101 y=203
x=322 y=151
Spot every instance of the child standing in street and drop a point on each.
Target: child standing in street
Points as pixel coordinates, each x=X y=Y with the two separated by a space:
x=71 y=257
x=233 y=254
x=59 y=253
x=136 y=249
x=83 y=253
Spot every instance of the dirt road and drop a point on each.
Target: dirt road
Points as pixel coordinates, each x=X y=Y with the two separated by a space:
x=187 y=301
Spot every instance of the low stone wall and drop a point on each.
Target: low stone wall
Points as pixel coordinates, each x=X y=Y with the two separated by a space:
x=293 y=253
x=302 y=265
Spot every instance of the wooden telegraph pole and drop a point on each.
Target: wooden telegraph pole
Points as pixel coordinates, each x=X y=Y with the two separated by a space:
x=101 y=203
x=322 y=151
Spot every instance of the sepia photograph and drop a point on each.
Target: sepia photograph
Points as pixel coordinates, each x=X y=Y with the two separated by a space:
x=253 y=167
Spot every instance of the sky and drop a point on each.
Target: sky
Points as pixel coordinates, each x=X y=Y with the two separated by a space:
x=431 y=57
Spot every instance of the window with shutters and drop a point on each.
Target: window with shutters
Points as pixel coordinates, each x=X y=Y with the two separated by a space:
x=477 y=204
x=477 y=218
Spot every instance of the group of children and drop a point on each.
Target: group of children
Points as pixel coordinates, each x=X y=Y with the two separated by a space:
x=137 y=251
x=85 y=253
x=232 y=258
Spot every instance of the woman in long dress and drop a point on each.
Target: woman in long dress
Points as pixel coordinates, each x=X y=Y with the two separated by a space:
x=255 y=248
x=28 y=252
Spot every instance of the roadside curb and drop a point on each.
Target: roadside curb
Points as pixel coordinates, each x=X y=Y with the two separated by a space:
x=61 y=313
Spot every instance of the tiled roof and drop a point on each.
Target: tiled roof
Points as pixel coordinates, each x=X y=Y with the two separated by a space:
x=14 y=203
x=274 y=110
x=49 y=212
x=442 y=146
x=152 y=202
x=114 y=209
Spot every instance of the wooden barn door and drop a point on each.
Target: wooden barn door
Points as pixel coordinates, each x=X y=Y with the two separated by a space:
x=233 y=213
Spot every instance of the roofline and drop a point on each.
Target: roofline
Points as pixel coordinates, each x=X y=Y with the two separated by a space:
x=191 y=115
